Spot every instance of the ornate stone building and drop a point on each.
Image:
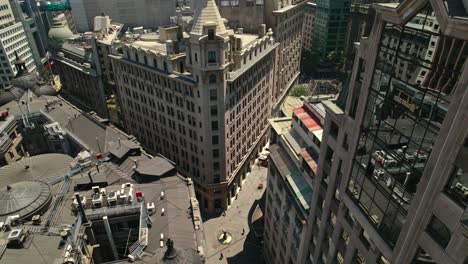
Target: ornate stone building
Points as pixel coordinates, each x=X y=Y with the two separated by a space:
x=203 y=100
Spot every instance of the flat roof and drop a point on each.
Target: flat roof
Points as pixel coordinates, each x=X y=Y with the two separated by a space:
x=114 y=31
x=176 y=223
x=152 y=45
x=280 y=124
x=247 y=39
x=308 y=119
x=299 y=187
x=80 y=125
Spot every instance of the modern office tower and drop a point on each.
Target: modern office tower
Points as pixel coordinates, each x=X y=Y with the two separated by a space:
x=361 y=19
x=309 y=24
x=391 y=184
x=204 y=102
x=243 y=14
x=134 y=13
x=330 y=26
x=27 y=12
x=12 y=39
x=294 y=151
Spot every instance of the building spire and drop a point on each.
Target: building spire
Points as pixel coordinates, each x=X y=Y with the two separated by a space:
x=207 y=13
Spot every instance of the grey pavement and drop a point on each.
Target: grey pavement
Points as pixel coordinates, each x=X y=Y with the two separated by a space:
x=243 y=248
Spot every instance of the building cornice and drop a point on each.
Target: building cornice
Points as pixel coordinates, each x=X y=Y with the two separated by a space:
x=401 y=13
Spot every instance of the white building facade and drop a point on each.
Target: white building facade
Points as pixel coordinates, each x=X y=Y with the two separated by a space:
x=12 y=39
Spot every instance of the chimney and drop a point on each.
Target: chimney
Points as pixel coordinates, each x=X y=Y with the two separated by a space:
x=170 y=47
x=261 y=30
x=238 y=43
x=90 y=178
x=80 y=207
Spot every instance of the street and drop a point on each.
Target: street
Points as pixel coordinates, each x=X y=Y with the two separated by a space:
x=244 y=248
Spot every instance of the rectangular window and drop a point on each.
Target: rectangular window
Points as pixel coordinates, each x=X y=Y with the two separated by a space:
x=215 y=140
x=214 y=111
x=329 y=155
x=457 y=188
x=211 y=56
x=439 y=232
x=345 y=141
x=334 y=130
x=210 y=34
x=214 y=125
x=213 y=95
x=224 y=2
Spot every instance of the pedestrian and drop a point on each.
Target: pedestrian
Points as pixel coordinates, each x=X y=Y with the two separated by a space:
x=221 y=256
x=224 y=213
x=243 y=231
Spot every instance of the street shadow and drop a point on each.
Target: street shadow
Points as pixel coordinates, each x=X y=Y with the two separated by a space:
x=252 y=251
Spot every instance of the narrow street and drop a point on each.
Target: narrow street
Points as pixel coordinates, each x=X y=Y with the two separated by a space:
x=244 y=248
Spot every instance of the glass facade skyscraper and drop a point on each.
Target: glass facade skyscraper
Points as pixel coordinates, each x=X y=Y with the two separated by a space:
x=330 y=28
x=412 y=84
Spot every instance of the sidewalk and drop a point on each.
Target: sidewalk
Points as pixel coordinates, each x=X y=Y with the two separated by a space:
x=243 y=248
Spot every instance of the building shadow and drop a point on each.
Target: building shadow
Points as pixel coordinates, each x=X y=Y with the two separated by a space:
x=252 y=251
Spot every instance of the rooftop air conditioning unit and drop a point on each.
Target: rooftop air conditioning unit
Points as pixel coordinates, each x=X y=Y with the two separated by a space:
x=15 y=234
x=122 y=199
x=112 y=198
x=96 y=189
x=97 y=200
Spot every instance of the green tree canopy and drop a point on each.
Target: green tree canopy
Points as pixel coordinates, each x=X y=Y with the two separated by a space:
x=298 y=91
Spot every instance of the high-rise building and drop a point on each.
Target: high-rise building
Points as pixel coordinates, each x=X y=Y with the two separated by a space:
x=330 y=26
x=309 y=25
x=84 y=66
x=135 y=13
x=27 y=12
x=204 y=102
x=245 y=14
x=12 y=39
x=285 y=18
x=391 y=183
x=361 y=19
x=294 y=151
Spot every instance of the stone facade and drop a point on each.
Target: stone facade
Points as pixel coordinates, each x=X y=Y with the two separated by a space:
x=384 y=194
x=309 y=25
x=12 y=39
x=203 y=103
x=294 y=147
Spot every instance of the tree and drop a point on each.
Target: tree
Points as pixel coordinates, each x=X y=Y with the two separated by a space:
x=335 y=58
x=298 y=91
x=44 y=74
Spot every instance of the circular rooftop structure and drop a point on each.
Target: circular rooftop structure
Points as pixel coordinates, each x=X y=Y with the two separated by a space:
x=42 y=167
x=60 y=32
x=25 y=199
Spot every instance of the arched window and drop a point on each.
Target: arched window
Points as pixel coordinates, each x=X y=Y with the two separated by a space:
x=212 y=78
